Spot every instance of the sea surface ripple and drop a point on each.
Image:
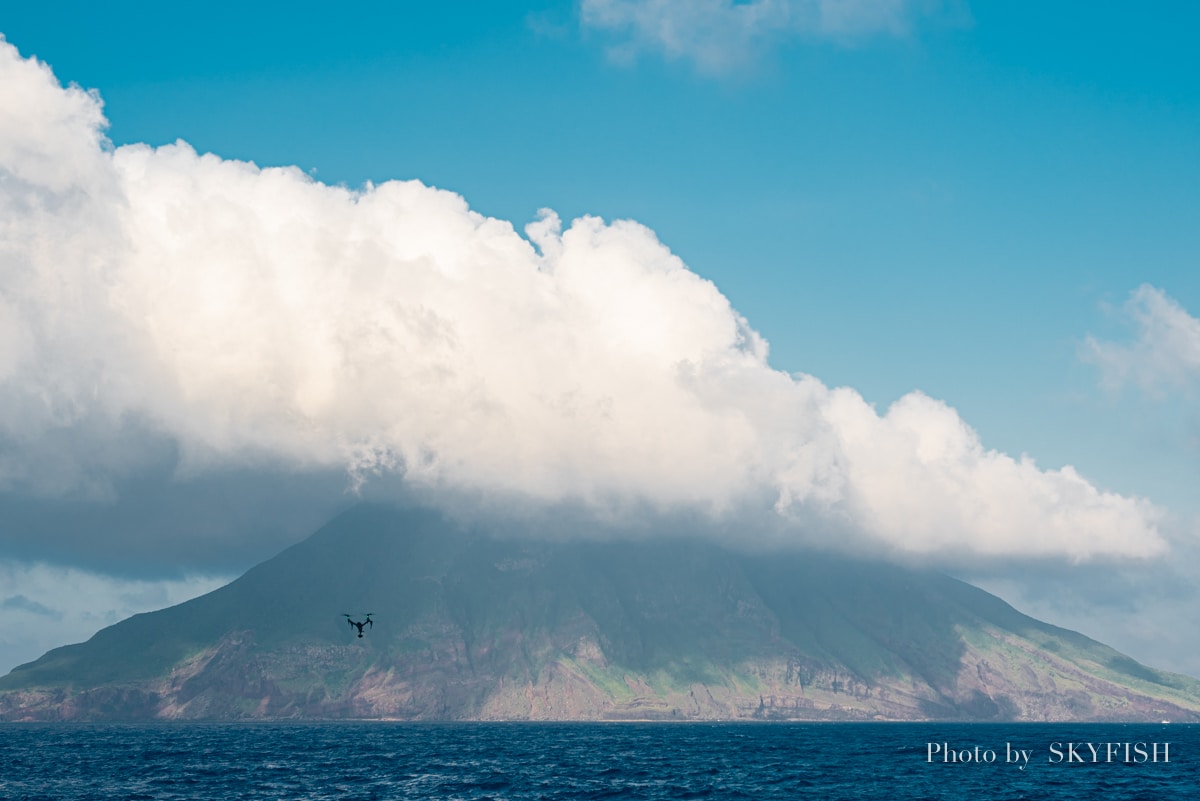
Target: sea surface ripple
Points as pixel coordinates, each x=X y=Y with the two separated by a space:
x=470 y=761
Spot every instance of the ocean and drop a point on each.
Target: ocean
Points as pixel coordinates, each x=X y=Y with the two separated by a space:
x=380 y=760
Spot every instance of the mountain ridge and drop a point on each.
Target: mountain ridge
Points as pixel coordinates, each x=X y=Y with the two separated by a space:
x=471 y=626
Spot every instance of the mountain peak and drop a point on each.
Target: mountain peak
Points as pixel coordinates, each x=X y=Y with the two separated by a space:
x=472 y=626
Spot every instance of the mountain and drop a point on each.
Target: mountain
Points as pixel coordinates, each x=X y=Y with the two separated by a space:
x=469 y=626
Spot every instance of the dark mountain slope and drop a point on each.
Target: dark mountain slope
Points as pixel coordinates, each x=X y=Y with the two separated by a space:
x=469 y=626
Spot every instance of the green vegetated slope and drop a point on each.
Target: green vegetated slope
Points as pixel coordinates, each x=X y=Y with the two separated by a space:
x=474 y=627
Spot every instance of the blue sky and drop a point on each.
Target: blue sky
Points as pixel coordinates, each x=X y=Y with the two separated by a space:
x=952 y=200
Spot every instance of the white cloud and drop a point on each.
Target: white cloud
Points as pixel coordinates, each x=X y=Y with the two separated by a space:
x=42 y=606
x=721 y=34
x=921 y=480
x=1166 y=351
x=257 y=317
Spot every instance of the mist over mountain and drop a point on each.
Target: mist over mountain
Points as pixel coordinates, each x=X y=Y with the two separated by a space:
x=472 y=626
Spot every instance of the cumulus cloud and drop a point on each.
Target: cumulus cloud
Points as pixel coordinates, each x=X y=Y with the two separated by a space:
x=1165 y=352
x=721 y=34
x=23 y=604
x=257 y=319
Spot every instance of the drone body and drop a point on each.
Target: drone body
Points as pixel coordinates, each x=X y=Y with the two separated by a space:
x=356 y=624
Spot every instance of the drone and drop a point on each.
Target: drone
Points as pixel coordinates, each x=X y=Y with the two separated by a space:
x=359 y=626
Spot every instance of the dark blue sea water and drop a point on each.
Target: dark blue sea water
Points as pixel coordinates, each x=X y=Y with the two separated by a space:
x=597 y=761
